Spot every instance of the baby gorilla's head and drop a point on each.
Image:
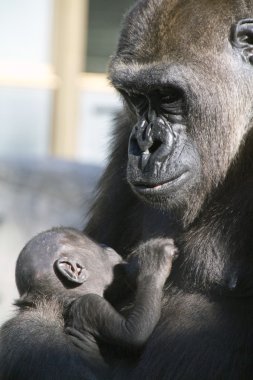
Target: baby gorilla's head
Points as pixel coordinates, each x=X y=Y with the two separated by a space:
x=64 y=261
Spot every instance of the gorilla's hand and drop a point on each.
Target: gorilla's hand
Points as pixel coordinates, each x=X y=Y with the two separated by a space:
x=153 y=258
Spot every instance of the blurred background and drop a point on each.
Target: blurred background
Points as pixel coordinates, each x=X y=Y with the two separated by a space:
x=56 y=112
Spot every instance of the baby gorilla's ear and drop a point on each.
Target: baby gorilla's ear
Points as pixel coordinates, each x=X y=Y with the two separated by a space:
x=71 y=270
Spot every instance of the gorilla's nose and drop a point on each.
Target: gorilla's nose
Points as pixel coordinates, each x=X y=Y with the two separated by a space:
x=141 y=141
x=150 y=136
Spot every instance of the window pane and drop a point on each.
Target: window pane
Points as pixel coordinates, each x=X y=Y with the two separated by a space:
x=25 y=121
x=97 y=113
x=25 y=30
x=104 y=25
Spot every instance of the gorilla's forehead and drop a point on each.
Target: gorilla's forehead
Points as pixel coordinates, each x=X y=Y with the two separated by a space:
x=191 y=76
x=148 y=76
x=174 y=27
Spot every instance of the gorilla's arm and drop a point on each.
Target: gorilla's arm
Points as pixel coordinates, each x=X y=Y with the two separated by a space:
x=92 y=313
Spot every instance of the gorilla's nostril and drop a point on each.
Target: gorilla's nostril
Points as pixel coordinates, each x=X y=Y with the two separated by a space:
x=155 y=146
x=134 y=147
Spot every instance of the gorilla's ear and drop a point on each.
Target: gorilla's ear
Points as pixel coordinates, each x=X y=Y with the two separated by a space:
x=242 y=38
x=71 y=270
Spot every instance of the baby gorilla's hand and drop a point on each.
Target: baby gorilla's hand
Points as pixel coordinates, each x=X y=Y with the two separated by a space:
x=153 y=258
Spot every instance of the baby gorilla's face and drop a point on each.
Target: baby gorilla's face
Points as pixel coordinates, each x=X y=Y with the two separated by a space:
x=88 y=268
x=100 y=264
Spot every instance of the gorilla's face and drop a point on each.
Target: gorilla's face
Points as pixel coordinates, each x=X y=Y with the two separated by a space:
x=189 y=97
x=163 y=160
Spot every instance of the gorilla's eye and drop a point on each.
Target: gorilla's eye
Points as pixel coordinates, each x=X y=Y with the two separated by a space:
x=168 y=101
x=137 y=102
x=249 y=38
x=242 y=34
x=246 y=35
x=172 y=106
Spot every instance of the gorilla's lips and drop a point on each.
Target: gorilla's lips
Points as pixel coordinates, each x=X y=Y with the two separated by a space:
x=168 y=183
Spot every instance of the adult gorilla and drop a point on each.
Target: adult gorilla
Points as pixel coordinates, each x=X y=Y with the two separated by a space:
x=182 y=167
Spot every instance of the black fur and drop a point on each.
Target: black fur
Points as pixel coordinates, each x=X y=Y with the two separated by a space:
x=203 y=49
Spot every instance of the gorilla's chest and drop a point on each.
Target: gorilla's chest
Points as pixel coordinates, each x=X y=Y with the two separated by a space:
x=201 y=339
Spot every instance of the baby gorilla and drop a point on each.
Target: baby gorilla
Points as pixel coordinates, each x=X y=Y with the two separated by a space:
x=67 y=266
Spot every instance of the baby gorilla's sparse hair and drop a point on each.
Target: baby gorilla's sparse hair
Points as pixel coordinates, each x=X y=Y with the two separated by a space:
x=64 y=261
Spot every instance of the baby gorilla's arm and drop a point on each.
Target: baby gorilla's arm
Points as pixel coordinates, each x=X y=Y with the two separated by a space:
x=92 y=313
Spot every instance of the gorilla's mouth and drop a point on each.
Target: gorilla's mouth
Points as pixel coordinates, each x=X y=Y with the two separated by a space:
x=169 y=183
